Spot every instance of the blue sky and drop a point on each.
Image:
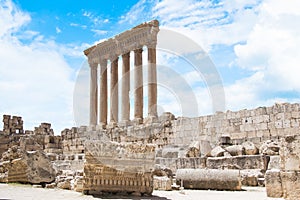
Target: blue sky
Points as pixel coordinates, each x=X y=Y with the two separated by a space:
x=253 y=44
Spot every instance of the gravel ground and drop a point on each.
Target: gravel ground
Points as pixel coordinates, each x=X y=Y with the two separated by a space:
x=26 y=192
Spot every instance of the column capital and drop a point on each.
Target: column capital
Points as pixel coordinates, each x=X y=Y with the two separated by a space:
x=151 y=45
x=115 y=59
x=140 y=50
x=93 y=65
x=126 y=56
x=103 y=62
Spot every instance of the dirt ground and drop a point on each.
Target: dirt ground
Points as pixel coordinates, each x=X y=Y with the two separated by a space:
x=26 y=192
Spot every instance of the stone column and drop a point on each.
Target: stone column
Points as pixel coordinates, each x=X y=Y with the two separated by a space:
x=93 y=94
x=138 y=85
x=152 y=83
x=125 y=86
x=114 y=91
x=103 y=92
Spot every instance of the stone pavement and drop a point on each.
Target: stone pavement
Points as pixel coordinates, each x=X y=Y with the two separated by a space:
x=27 y=192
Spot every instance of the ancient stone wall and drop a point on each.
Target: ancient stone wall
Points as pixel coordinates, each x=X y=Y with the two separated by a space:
x=257 y=125
x=12 y=124
x=73 y=140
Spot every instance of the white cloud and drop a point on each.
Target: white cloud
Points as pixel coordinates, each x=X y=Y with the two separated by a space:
x=138 y=12
x=78 y=25
x=99 y=32
x=11 y=18
x=96 y=20
x=208 y=23
x=264 y=34
x=272 y=47
x=35 y=80
x=57 y=30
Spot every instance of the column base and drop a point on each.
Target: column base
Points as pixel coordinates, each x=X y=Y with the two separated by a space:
x=125 y=123
x=91 y=128
x=101 y=126
x=112 y=124
x=137 y=121
x=151 y=120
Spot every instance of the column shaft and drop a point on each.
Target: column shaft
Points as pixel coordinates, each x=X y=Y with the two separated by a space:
x=103 y=92
x=138 y=84
x=114 y=91
x=152 y=83
x=93 y=94
x=125 y=87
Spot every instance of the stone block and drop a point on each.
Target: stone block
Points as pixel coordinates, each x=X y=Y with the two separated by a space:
x=290 y=153
x=162 y=183
x=205 y=147
x=235 y=150
x=270 y=148
x=295 y=114
x=278 y=124
x=290 y=184
x=273 y=184
x=274 y=163
x=250 y=148
x=251 y=134
x=250 y=177
x=238 y=162
x=294 y=123
x=217 y=152
x=191 y=163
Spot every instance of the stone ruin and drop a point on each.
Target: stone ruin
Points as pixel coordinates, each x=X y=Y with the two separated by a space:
x=12 y=124
x=118 y=167
x=283 y=176
x=160 y=155
x=224 y=151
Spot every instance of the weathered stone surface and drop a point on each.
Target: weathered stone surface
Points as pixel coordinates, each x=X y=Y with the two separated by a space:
x=235 y=150
x=193 y=150
x=238 y=162
x=78 y=183
x=64 y=183
x=191 y=163
x=217 y=152
x=250 y=177
x=273 y=184
x=290 y=184
x=270 y=148
x=118 y=167
x=30 y=143
x=205 y=148
x=274 y=162
x=162 y=183
x=209 y=179
x=290 y=154
x=290 y=167
x=170 y=152
x=250 y=148
x=31 y=167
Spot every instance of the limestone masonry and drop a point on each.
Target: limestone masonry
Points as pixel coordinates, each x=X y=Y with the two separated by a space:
x=259 y=143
